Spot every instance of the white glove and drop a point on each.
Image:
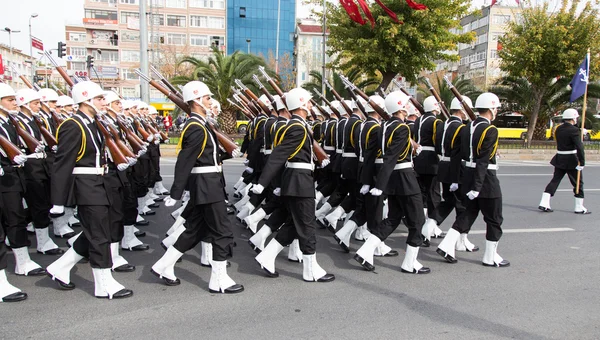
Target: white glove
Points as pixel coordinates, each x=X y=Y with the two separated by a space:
x=157 y=136
x=186 y=196
x=325 y=162
x=419 y=149
x=249 y=170
x=54 y=148
x=365 y=189
x=236 y=153
x=472 y=194
x=20 y=159
x=156 y=141
x=579 y=168
x=150 y=138
x=257 y=189
x=131 y=161
x=376 y=192
x=39 y=148
x=453 y=187
x=246 y=162
x=169 y=201
x=1 y=171
x=57 y=210
x=277 y=192
x=122 y=166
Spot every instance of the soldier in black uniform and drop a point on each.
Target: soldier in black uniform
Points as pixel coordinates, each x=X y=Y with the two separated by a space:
x=198 y=170
x=480 y=184
x=79 y=178
x=569 y=160
x=398 y=180
x=297 y=190
x=331 y=178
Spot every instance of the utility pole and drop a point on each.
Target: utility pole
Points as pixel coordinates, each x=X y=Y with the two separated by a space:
x=324 y=75
x=144 y=86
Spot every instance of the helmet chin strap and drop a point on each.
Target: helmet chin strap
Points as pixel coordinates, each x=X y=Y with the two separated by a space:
x=91 y=104
x=206 y=110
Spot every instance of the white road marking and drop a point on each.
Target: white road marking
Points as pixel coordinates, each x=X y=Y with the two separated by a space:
x=511 y=231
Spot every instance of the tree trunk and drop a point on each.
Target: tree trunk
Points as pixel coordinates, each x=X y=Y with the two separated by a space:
x=228 y=121
x=386 y=79
x=534 y=116
x=540 y=129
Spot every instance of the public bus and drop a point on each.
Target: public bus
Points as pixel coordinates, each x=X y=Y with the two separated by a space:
x=514 y=126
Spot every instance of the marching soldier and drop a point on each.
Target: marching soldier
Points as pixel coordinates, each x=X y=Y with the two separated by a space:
x=64 y=105
x=480 y=184
x=79 y=178
x=569 y=160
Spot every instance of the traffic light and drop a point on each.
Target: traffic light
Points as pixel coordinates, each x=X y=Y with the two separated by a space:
x=62 y=49
x=89 y=62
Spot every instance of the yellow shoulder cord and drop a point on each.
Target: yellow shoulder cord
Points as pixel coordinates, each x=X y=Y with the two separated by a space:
x=331 y=135
x=554 y=136
x=435 y=130
x=369 y=134
x=256 y=126
x=481 y=142
x=404 y=153
x=278 y=139
x=179 y=145
x=352 y=133
x=81 y=151
x=454 y=137
x=301 y=143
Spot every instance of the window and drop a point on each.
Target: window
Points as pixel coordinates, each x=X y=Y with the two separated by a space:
x=217 y=41
x=78 y=51
x=243 y=14
x=494 y=54
x=106 y=56
x=156 y=94
x=157 y=38
x=466 y=28
x=175 y=3
x=98 y=14
x=176 y=20
x=112 y=2
x=128 y=74
x=77 y=36
x=501 y=19
x=216 y=22
x=474 y=25
x=483 y=21
x=158 y=20
x=78 y=66
x=198 y=40
x=175 y=39
x=198 y=21
x=216 y=4
x=131 y=92
x=126 y=15
x=129 y=2
x=496 y=36
x=130 y=36
x=481 y=39
x=130 y=56
x=156 y=3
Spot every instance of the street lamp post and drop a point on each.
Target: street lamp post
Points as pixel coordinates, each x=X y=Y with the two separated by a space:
x=33 y=15
x=10 y=32
x=248 y=41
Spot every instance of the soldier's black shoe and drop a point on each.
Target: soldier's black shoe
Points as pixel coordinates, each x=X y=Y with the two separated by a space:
x=141 y=224
x=255 y=248
x=236 y=288
x=55 y=251
x=67 y=235
x=426 y=243
x=446 y=256
x=139 y=247
x=504 y=263
x=391 y=253
x=16 y=297
x=126 y=268
x=544 y=209
x=62 y=285
x=154 y=205
x=423 y=270
x=148 y=213
x=583 y=212
x=123 y=293
x=139 y=233
x=326 y=278
x=366 y=265
x=168 y=282
x=341 y=244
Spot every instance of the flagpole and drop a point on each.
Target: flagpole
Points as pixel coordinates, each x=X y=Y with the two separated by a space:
x=583 y=115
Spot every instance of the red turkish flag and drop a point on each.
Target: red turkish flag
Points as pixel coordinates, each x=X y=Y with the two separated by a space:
x=352 y=11
x=367 y=11
x=493 y=2
x=389 y=12
x=419 y=7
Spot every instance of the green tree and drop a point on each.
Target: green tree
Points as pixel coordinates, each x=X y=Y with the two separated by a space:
x=366 y=83
x=219 y=73
x=464 y=86
x=542 y=46
x=389 y=48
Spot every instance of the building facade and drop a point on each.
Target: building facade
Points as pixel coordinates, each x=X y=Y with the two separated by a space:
x=309 y=49
x=20 y=61
x=110 y=32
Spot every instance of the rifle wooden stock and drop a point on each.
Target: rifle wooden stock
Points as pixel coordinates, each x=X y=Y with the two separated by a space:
x=321 y=109
x=465 y=106
x=136 y=143
x=122 y=146
x=244 y=111
x=437 y=97
x=340 y=99
x=140 y=129
x=65 y=76
x=333 y=109
x=257 y=101
x=48 y=137
x=382 y=113
x=9 y=148
x=110 y=142
x=31 y=143
x=414 y=101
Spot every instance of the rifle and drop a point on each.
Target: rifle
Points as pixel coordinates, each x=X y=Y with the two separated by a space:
x=271 y=82
x=244 y=111
x=136 y=143
x=165 y=81
x=255 y=111
x=31 y=143
x=117 y=137
x=338 y=97
x=140 y=129
x=264 y=90
x=109 y=141
x=460 y=98
x=384 y=115
x=229 y=145
x=350 y=87
x=413 y=100
x=60 y=93
x=9 y=148
x=252 y=96
x=437 y=97
x=333 y=109
x=60 y=69
x=321 y=109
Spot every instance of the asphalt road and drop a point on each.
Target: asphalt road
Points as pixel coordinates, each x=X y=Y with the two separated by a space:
x=550 y=291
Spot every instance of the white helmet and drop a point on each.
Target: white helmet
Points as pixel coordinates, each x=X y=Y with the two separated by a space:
x=396 y=101
x=298 y=98
x=216 y=104
x=328 y=109
x=64 y=101
x=338 y=106
x=366 y=105
x=487 y=100
x=194 y=90
x=48 y=95
x=128 y=104
x=570 y=114
x=111 y=96
x=266 y=101
x=351 y=104
x=316 y=111
x=377 y=99
x=456 y=105
x=278 y=103
x=86 y=90
x=6 y=91
x=152 y=110
x=430 y=104
x=26 y=96
x=141 y=105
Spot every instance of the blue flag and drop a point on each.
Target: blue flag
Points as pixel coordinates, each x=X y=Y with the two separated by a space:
x=580 y=80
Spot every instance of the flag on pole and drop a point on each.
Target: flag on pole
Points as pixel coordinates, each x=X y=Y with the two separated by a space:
x=580 y=80
x=353 y=11
x=389 y=12
x=367 y=11
x=416 y=6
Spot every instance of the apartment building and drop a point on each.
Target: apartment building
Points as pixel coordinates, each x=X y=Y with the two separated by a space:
x=309 y=49
x=20 y=61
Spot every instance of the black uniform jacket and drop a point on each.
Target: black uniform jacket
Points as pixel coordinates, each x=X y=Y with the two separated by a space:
x=336 y=164
x=275 y=133
x=424 y=132
x=397 y=149
x=568 y=138
x=268 y=135
x=80 y=144
x=36 y=169
x=351 y=147
x=255 y=156
x=329 y=132
x=14 y=178
x=294 y=146
x=370 y=146
x=198 y=148
x=448 y=147
x=481 y=140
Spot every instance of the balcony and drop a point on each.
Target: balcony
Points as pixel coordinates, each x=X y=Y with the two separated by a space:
x=101 y=43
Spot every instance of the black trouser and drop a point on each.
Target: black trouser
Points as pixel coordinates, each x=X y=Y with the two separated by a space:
x=14 y=219
x=360 y=212
x=302 y=226
x=139 y=176
x=350 y=201
x=37 y=196
x=491 y=209
x=278 y=217
x=208 y=221
x=558 y=176
x=340 y=192
x=95 y=241
x=374 y=210
x=130 y=204
x=410 y=207
x=3 y=260
x=452 y=201
x=329 y=183
x=153 y=164
x=430 y=190
x=116 y=213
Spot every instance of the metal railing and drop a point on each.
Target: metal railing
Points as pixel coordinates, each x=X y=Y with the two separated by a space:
x=541 y=145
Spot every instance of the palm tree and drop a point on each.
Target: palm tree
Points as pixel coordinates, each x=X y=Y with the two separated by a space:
x=464 y=86
x=354 y=75
x=219 y=73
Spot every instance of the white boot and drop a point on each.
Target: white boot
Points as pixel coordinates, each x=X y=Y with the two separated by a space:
x=436 y=232
x=142 y=209
x=7 y=289
x=347 y=216
x=60 y=270
x=139 y=218
x=179 y=221
x=384 y=250
x=294 y=252
x=323 y=211
x=545 y=203
x=428 y=228
x=267 y=257
x=153 y=196
x=258 y=240
x=333 y=217
x=364 y=255
x=241 y=188
x=207 y=254
x=169 y=241
x=464 y=244
x=253 y=219
x=448 y=245
x=318 y=198
x=239 y=182
x=30 y=228
x=385 y=209
x=411 y=264
x=313 y=272
x=61 y=227
x=149 y=199
x=241 y=203
x=130 y=241
x=44 y=242
x=164 y=268
x=343 y=235
x=24 y=265
x=220 y=282
x=106 y=286
x=73 y=239
x=579 y=208
x=491 y=257
x=362 y=233
x=177 y=213
x=117 y=259
x=246 y=211
x=160 y=189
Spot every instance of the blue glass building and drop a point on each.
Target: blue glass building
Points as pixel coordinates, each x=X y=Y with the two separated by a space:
x=256 y=20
